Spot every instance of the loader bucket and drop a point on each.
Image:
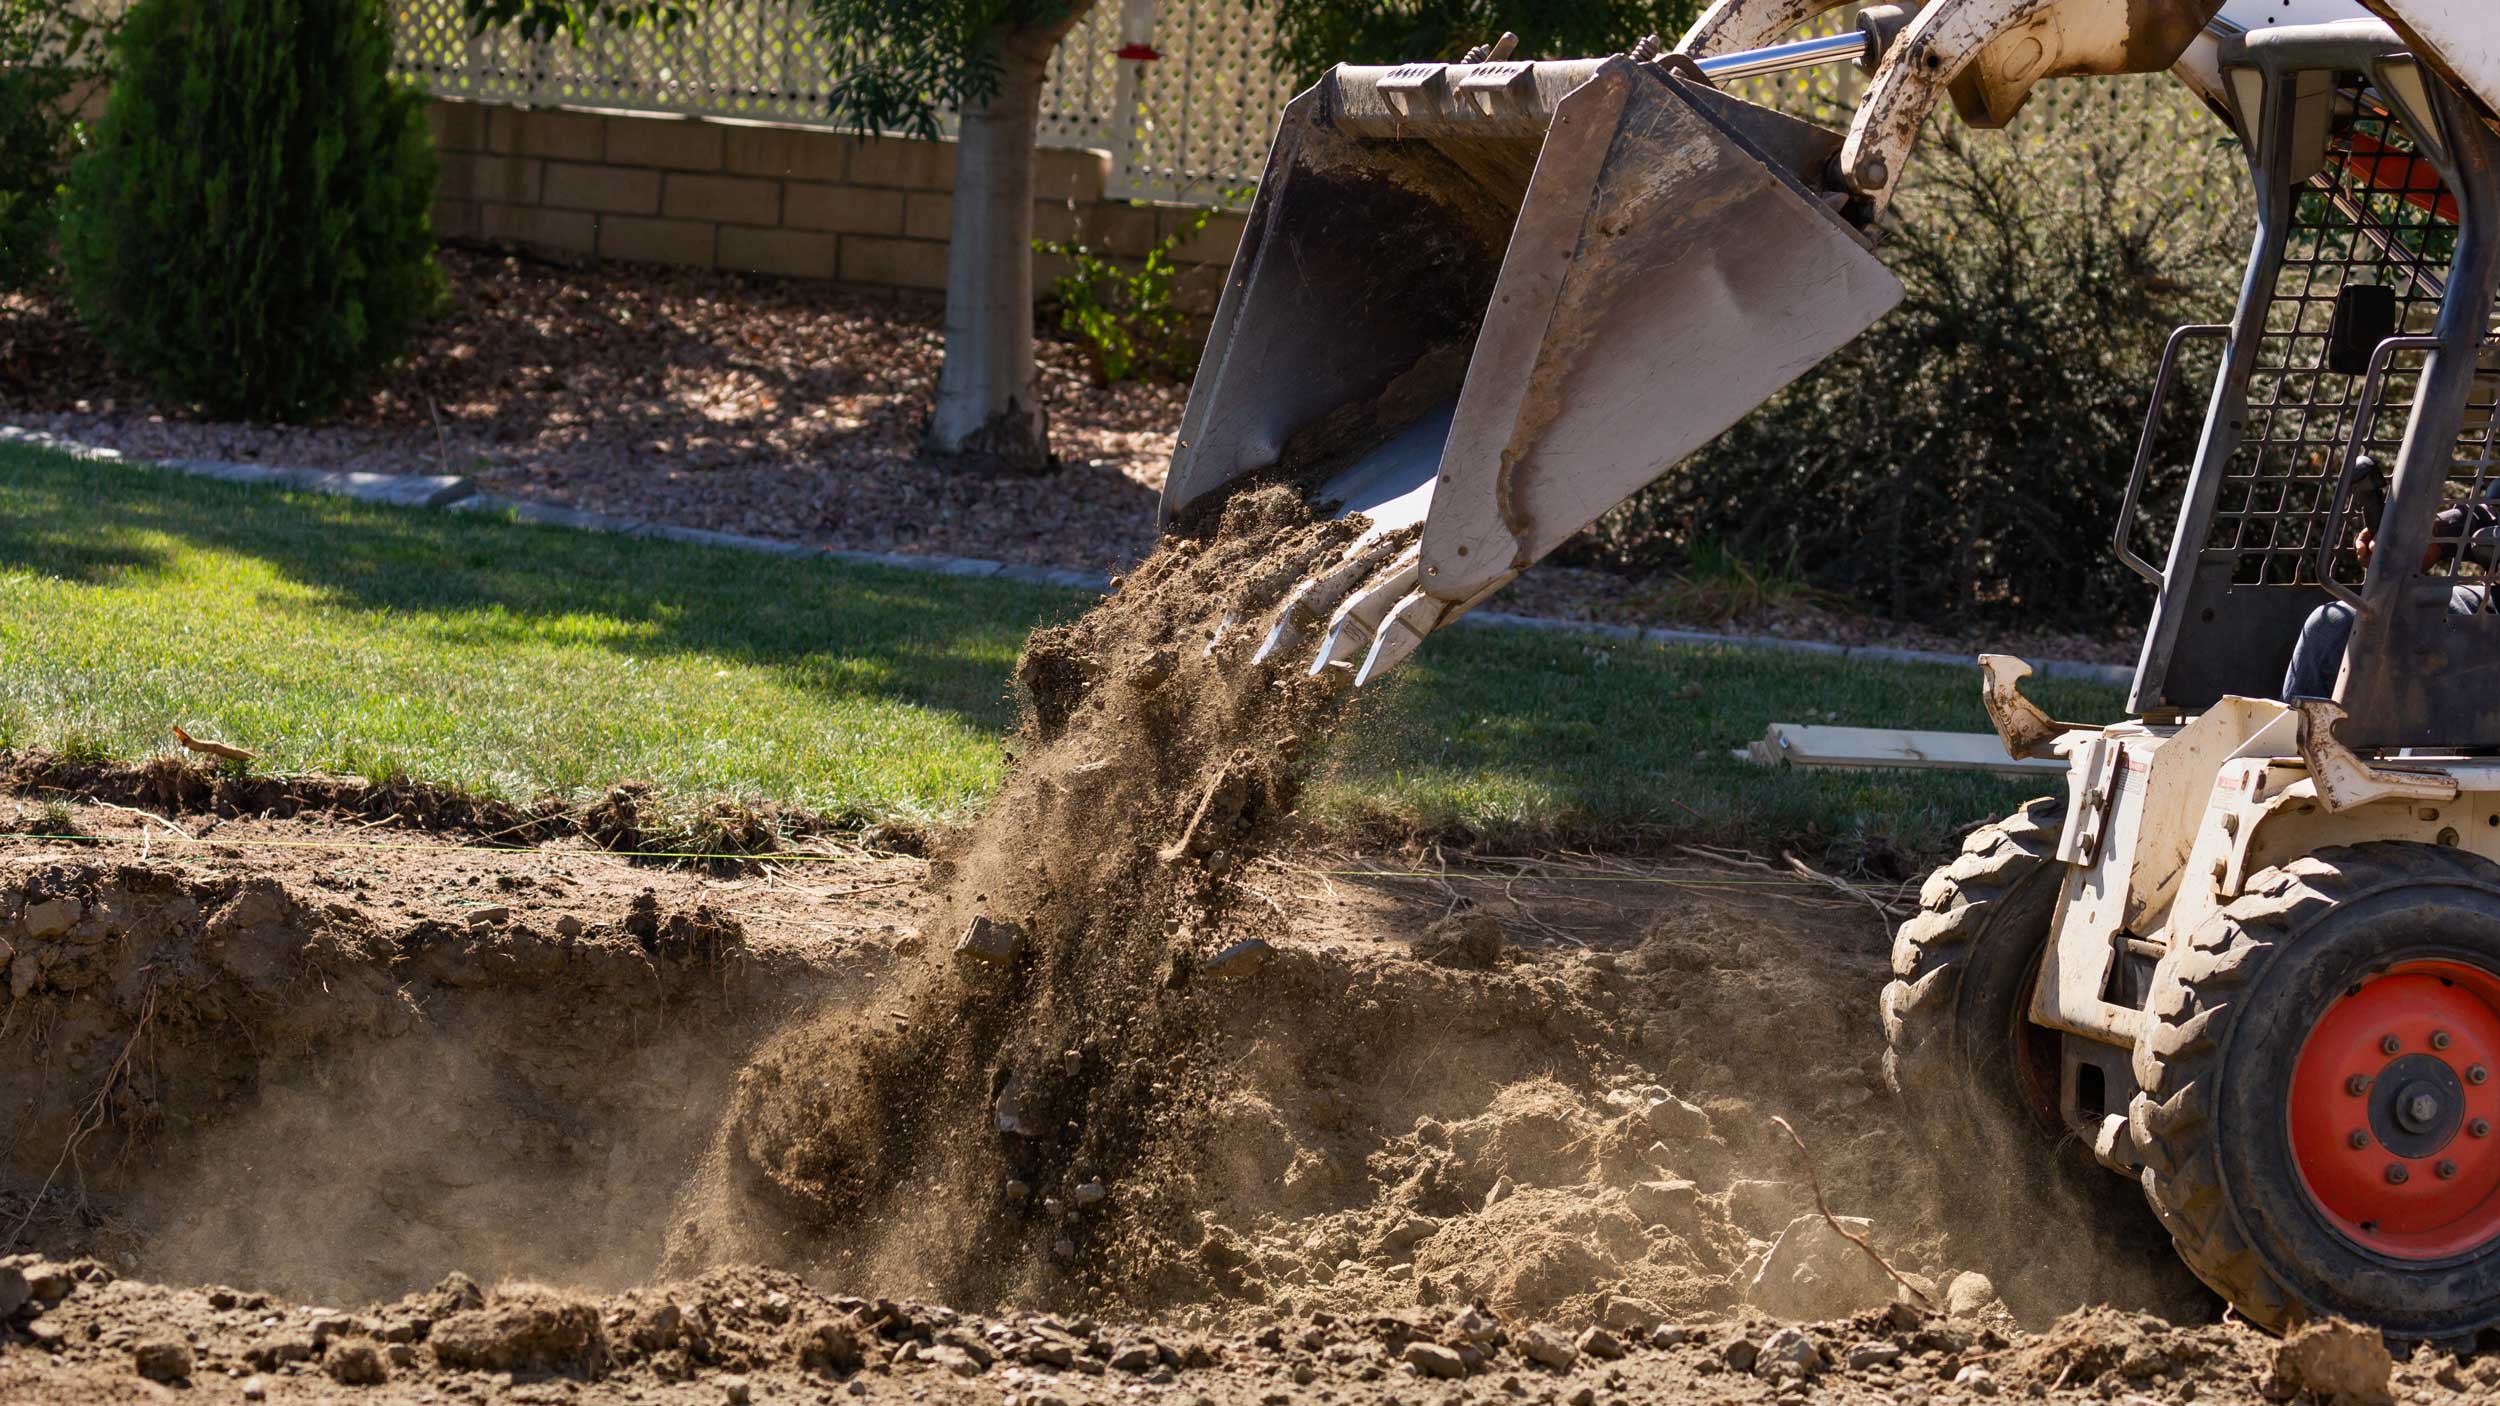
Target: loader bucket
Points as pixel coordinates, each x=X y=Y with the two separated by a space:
x=1482 y=304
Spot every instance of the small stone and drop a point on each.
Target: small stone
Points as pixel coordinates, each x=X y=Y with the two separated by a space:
x=53 y=916
x=1017 y=1190
x=1872 y=1354
x=1545 y=1347
x=990 y=940
x=255 y=1388
x=1976 y=1380
x=1669 y=1335
x=735 y=1391
x=1086 y=1193
x=568 y=926
x=1599 y=1343
x=1243 y=958
x=1969 y=1294
x=1585 y=1396
x=489 y=916
x=1814 y=1273
x=1741 y=1353
x=162 y=1359
x=400 y=1355
x=1672 y=1120
x=355 y=1362
x=50 y=1283
x=1135 y=1357
x=1502 y=1188
x=1670 y=1201
x=14 y=1291
x=2335 y=1360
x=1626 y=1314
x=1788 y=1353
x=1434 y=1360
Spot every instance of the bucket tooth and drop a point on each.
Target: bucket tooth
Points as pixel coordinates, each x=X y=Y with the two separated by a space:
x=1308 y=608
x=1399 y=634
x=1350 y=632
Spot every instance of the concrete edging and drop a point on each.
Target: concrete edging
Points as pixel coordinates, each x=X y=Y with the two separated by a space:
x=457 y=494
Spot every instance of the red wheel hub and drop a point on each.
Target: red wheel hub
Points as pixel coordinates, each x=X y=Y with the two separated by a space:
x=2395 y=1110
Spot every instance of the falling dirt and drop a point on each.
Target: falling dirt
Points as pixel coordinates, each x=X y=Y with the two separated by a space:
x=1017 y=1125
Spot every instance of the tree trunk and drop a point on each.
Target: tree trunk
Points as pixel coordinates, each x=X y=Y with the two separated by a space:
x=987 y=410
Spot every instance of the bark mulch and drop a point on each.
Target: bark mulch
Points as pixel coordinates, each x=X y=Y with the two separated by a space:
x=753 y=405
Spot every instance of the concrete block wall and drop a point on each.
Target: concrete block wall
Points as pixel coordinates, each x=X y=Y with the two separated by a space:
x=796 y=202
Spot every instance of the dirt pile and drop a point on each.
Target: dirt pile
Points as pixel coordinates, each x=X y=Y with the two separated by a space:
x=1002 y=1127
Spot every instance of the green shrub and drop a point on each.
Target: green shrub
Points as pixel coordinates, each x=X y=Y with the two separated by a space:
x=1124 y=315
x=1963 y=461
x=249 y=231
x=47 y=56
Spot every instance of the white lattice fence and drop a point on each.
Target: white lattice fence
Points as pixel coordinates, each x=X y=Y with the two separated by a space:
x=1189 y=126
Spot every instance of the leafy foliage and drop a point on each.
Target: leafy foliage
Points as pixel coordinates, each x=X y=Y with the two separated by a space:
x=1965 y=459
x=1123 y=315
x=904 y=59
x=1315 y=34
x=47 y=55
x=250 y=231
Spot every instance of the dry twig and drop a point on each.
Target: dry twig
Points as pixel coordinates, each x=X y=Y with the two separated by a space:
x=1833 y=1221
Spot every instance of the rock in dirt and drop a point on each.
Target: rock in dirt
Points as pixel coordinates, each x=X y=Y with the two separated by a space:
x=2336 y=1361
x=990 y=940
x=355 y=1362
x=1434 y=1360
x=1673 y=1121
x=1788 y=1353
x=1626 y=1314
x=1813 y=1272
x=1969 y=1294
x=1872 y=1354
x=52 y=917
x=1599 y=1343
x=1244 y=958
x=255 y=1388
x=14 y=1291
x=523 y=1330
x=162 y=1359
x=1545 y=1347
x=1976 y=1380
x=828 y=1345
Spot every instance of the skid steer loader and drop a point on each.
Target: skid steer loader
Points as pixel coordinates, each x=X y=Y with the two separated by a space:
x=2251 y=957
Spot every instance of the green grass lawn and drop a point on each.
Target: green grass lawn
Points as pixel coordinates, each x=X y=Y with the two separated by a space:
x=520 y=661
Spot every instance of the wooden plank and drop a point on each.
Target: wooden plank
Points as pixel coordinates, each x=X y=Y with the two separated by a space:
x=1883 y=748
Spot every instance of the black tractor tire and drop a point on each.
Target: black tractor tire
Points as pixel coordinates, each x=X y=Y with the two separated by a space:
x=2231 y=1013
x=1959 y=1048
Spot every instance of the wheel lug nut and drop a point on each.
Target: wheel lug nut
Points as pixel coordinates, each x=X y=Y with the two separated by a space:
x=2477 y=1074
x=2357 y=1085
x=2356 y=1139
x=2397 y=1175
x=2439 y=1039
x=2389 y=1044
x=2447 y=1170
x=2480 y=1127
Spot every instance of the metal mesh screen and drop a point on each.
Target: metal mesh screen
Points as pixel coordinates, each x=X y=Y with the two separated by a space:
x=2375 y=215
x=1189 y=126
